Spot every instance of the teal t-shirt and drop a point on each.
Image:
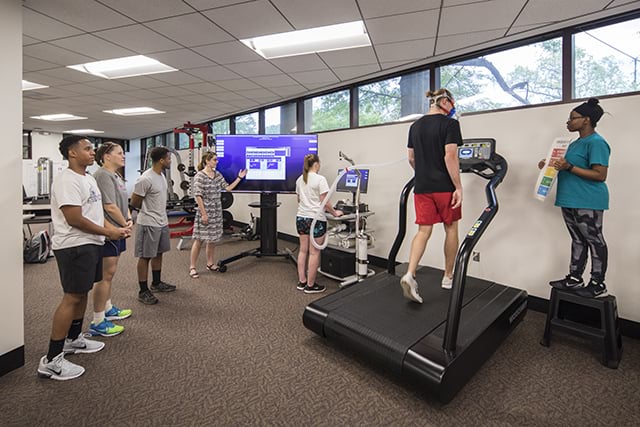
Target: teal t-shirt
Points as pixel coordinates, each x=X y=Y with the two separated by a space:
x=579 y=193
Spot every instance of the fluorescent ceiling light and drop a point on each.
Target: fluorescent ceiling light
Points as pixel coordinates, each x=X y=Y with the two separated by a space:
x=58 y=117
x=26 y=85
x=320 y=39
x=84 y=131
x=118 y=68
x=135 y=111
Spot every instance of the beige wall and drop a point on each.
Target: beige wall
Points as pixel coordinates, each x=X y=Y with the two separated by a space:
x=11 y=293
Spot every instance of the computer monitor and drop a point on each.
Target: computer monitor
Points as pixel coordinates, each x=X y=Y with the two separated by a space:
x=349 y=181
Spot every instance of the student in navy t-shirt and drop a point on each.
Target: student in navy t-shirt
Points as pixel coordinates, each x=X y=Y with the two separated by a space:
x=583 y=196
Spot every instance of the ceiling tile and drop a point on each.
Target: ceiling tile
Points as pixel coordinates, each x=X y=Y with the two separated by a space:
x=257 y=93
x=347 y=73
x=251 y=19
x=404 y=51
x=349 y=57
x=83 y=89
x=318 y=76
x=176 y=78
x=190 y=30
x=92 y=46
x=30 y=63
x=110 y=85
x=286 y=91
x=277 y=80
x=377 y=8
x=144 y=94
x=228 y=52
x=143 y=82
x=210 y=4
x=394 y=64
x=227 y=96
x=540 y=11
x=412 y=26
x=88 y=15
x=308 y=14
x=55 y=54
x=171 y=91
x=43 y=28
x=26 y=40
x=517 y=29
x=238 y=84
x=44 y=79
x=213 y=74
x=182 y=59
x=254 y=69
x=203 y=88
x=464 y=19
x=461 y=41
x=139 y=39
x=141 y=11
x=70 y=75
x=293 y=64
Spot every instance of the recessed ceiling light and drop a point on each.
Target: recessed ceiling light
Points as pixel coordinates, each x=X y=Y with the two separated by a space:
x=26 y=85
x=119 y=68
x=84 y=131
x=58 y=117
x=319 y=39
x=135 y=111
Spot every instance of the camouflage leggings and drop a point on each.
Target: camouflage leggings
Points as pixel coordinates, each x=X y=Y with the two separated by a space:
x=585 y=228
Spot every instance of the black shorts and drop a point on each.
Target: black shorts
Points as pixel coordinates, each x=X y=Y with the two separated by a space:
x=303 y=225
x=113 y=248
x=80 y=267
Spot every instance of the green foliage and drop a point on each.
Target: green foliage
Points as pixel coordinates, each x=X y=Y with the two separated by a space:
x=247 y=124
x=327 y=112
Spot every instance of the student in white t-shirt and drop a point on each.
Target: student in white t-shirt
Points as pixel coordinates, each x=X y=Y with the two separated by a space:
x=78 y=235
x=311 y=189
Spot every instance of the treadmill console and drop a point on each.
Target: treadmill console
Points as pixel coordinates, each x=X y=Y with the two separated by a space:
x=473 y=151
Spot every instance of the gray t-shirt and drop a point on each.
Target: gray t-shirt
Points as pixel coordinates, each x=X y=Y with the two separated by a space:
x=113 y=191
x=152 y=187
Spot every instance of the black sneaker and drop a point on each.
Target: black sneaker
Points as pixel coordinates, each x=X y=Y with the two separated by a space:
x=162 y=287
x=569 y=283
x=146 y=297
x=315 y=289
x=301 y=286
x=594 y=289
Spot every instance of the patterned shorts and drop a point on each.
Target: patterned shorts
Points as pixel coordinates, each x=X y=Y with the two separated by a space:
x=303 y=225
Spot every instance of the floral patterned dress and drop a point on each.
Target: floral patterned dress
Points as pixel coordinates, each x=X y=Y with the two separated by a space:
x=209 y=189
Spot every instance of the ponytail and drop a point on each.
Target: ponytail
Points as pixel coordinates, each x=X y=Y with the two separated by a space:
x=309 y=161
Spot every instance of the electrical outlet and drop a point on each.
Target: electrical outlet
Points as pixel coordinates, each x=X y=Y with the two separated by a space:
x=475 y=256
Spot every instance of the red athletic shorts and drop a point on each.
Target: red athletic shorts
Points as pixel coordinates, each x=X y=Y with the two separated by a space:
x=433 y=208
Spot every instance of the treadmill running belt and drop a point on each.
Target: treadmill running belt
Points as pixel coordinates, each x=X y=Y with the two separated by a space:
x=375 y=315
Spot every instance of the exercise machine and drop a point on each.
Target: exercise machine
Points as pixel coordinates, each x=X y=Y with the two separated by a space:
x=440 y=344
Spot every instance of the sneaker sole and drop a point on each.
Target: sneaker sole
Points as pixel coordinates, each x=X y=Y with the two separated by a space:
x=52 y=376
x=117 y=317
x=162 y=290
x=406 y=291
x=105 y=334
x=446 y=286
x=315 y=292
x=81 y=351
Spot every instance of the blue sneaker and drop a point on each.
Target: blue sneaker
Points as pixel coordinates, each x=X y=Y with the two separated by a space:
x=105 y=329
x=117 y=313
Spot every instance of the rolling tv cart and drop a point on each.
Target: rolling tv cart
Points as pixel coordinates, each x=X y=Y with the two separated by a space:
x=268 y=233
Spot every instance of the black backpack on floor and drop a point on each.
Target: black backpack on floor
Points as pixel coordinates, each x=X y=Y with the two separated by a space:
x=37 y=248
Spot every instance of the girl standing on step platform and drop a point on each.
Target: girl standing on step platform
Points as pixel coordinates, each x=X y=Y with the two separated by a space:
x=583 y=196
x=207 y=226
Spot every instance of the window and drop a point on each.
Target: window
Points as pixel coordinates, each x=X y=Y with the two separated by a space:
x=521 y=76
x=247 y=124
x=26 y=144
x=281 y=120
x=327 y=112
x=393 y=99
x=605 y=60
x=221 y=127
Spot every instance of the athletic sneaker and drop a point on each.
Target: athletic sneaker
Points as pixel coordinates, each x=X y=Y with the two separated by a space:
x=447 y=282
x=146 y=297
x=81 y=345
x=105 y=329
x=162 y=287
x=301 y=285
x=410 y=288
x=59 y=368
x=594 y=289
x=569 y=283
x=315 y=289
x=117 y=313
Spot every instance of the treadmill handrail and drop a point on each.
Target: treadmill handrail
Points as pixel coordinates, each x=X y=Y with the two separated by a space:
x=499 y=165
x=402 y=227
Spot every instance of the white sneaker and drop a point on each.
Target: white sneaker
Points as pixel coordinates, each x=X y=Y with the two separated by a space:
x=82 y=345
x=59 y=368
x=447 y=282
x=410 y=288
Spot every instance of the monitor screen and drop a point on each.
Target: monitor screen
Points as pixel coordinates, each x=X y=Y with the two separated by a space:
x=349 y=181
x=273 y=162
x=476 y=149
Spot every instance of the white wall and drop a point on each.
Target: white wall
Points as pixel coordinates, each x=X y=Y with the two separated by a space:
x=11 y=291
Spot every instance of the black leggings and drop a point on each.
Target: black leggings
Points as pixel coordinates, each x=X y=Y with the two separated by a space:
x=585 y=228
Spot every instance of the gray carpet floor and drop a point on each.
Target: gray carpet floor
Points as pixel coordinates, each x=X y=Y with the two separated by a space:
x=230 y=350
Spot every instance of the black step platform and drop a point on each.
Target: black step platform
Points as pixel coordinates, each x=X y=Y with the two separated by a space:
x=375 y=321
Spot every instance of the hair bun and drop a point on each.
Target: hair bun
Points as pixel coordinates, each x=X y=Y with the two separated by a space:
x=593 y=101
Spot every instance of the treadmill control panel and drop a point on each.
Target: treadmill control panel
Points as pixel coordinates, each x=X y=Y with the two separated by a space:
x=473 y=150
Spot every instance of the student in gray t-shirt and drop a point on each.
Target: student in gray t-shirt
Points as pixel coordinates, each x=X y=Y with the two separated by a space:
x=152 y=229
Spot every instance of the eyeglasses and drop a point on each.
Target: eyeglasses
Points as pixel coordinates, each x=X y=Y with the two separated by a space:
x=570 y=119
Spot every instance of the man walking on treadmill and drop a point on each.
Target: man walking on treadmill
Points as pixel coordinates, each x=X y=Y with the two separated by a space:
x=433 y=154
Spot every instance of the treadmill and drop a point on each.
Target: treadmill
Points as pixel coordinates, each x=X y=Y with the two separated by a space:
x=440 y=344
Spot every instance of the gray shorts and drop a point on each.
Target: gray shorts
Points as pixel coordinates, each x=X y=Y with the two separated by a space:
x=151 y=241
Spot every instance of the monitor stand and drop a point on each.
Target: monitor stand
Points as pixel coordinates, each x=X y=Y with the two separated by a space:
x=268 y=232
